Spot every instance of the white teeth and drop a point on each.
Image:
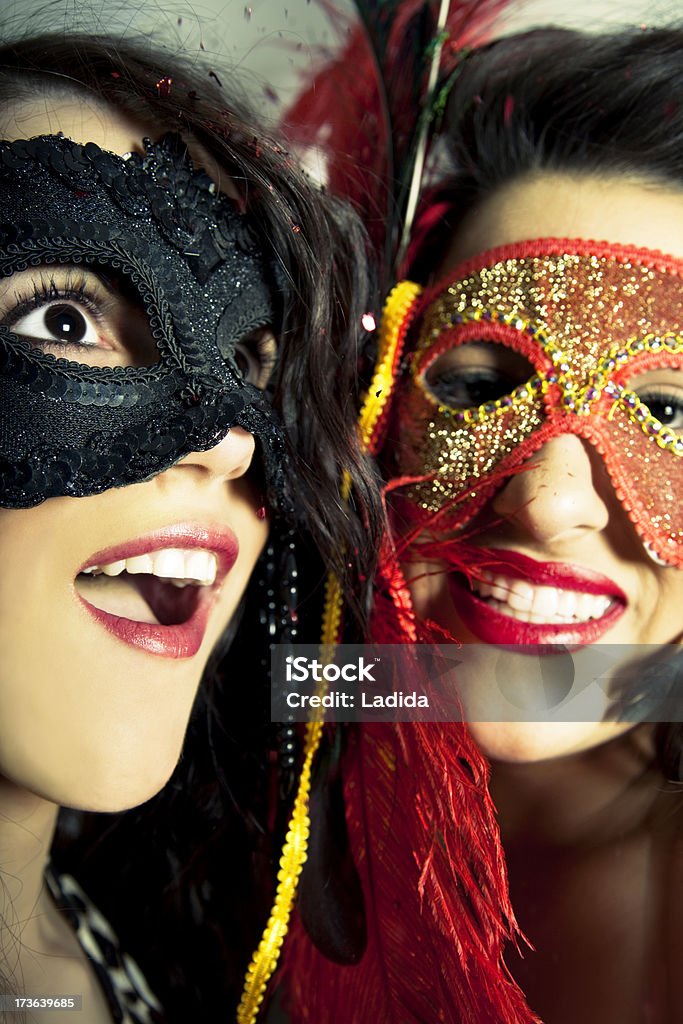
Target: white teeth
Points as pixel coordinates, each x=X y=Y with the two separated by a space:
x=529 y=603
x=499 y=591
x=566 y=603
x=114 y=568
x=521 y=596
x=169 y=564
x=545 y=602
x=201 y=565
x=139 y=564
x=178 y=566
x=585 y=606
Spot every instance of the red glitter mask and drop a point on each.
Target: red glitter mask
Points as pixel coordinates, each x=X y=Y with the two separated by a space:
x=530 y=341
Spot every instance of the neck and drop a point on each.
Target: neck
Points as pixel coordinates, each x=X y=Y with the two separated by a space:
x=587 y=797
x=27 y=824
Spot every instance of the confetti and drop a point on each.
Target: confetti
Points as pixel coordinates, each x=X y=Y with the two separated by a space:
x=164 y=85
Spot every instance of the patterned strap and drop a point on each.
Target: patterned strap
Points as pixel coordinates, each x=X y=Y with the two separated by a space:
x=122 y=981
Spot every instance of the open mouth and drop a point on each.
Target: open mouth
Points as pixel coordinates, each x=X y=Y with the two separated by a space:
x=163 y=588
x=156 y=593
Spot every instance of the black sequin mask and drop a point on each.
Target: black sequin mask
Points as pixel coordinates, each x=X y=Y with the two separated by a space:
x=195 y=266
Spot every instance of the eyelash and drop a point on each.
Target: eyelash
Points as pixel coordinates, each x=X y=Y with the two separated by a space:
x=660 y=394
x=74 y=288
x=264 y=352
x=267 y=356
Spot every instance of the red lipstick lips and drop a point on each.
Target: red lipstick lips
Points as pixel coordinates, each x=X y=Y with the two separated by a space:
x=180 y=639
x=493 y=626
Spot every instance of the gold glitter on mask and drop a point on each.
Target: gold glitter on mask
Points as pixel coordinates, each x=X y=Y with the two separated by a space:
x=586 y=323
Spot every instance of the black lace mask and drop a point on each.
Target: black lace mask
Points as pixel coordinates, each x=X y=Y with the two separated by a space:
x=197 y=268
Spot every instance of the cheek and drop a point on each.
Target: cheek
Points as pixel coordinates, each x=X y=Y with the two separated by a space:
x=666 y=601
x=428 y=589
x=250 y=519
x=431 y=597
x=85 y=720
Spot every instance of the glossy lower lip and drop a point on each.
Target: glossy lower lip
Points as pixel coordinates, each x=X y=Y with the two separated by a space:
x=180 y=641
x=167 y=641
x=492 y=627
x=184 y=639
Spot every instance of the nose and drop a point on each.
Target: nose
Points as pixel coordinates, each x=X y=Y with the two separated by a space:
x=553 y=498
x=227 y=460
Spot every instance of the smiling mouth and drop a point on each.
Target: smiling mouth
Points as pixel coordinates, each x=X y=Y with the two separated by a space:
x=511 y=599
x=535 y=604
x=164 y=587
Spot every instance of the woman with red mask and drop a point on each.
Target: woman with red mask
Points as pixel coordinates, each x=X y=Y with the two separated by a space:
x=531 y=448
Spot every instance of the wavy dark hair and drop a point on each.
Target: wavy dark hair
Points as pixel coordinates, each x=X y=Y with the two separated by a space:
x=186 y=878
x=559 y=100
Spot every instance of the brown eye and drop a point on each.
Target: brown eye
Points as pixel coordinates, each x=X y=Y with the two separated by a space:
x=60 y=322
x=662 y=392
x=255 y=357
x=247 y=364
x=475 y=373
x=666 y=406
x=86 y=316
x=462 y=389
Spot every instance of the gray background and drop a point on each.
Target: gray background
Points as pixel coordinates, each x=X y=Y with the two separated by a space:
x=272 y=43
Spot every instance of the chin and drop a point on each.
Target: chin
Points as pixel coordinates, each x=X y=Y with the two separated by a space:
x=109 y=777
x=529 y=742
x=118 y=783
x=121 y=797
x=109 y=793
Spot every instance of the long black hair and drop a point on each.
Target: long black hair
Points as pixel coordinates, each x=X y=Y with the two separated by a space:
x=178 y=876
x=563 y=101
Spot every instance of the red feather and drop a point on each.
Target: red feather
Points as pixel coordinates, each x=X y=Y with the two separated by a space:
x=423 y=832
x=426 y=844
x=361 y=109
